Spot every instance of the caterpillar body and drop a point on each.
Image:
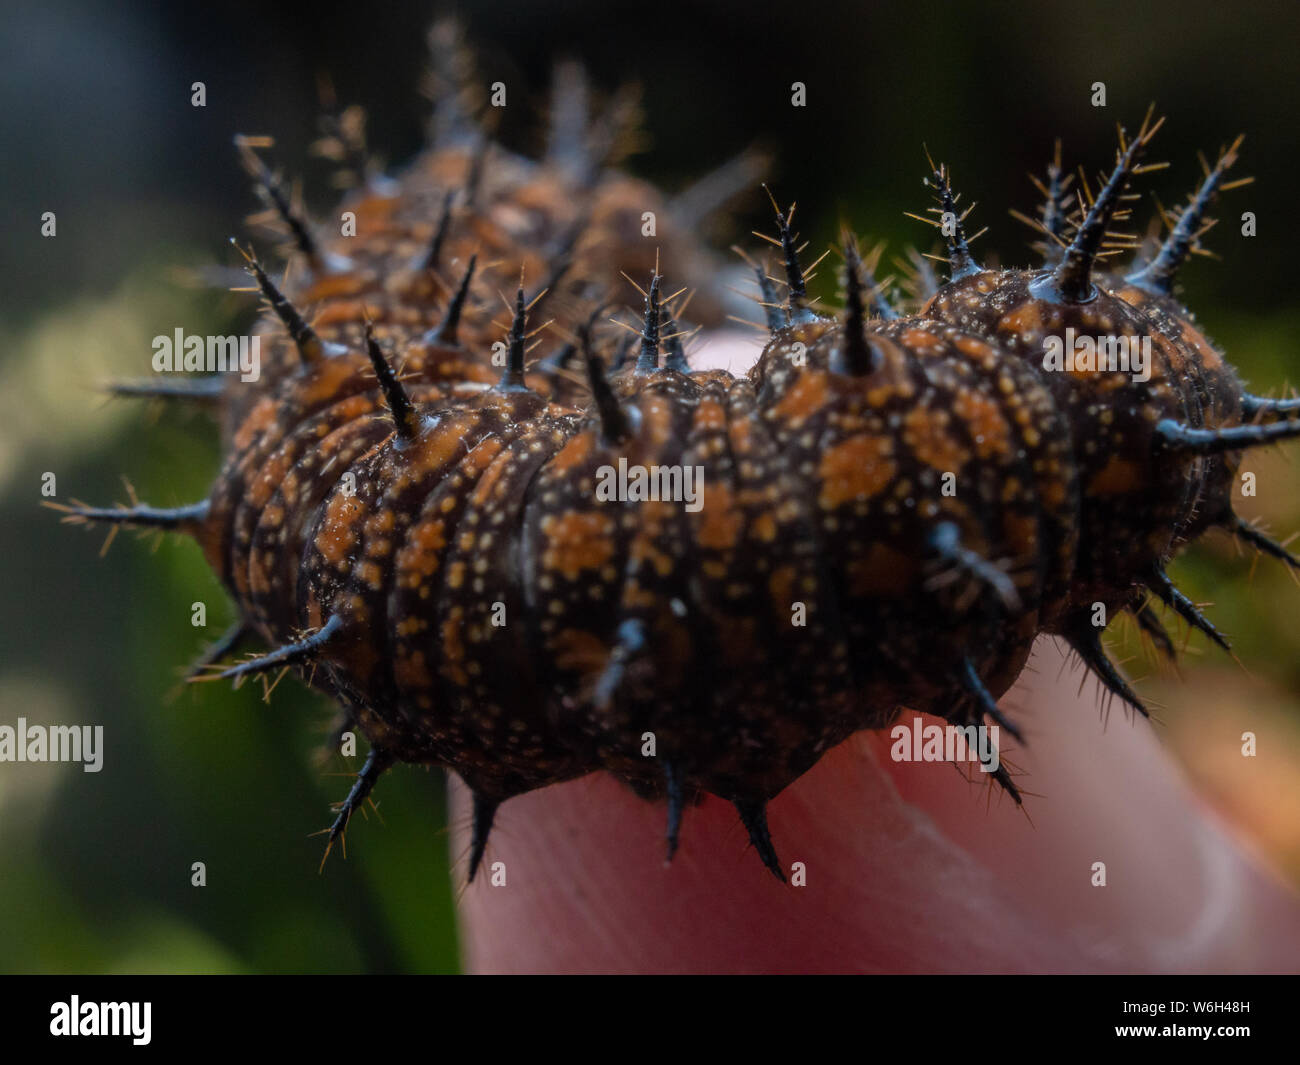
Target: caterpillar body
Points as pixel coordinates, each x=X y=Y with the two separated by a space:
x=891 y=506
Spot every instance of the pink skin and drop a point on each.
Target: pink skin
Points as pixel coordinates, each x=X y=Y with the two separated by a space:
x=910 y=867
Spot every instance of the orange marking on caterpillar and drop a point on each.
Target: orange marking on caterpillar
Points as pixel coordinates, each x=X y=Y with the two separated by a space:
x=857 y=468
x=338 y=533
x=925 y=435
x=576 y=541
x=808 y=396
x=1120 y=476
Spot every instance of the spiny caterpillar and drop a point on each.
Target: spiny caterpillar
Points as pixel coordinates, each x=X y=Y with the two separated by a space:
x=892 y=506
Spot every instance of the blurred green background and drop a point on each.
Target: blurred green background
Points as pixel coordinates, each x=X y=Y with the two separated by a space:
x=97 y=126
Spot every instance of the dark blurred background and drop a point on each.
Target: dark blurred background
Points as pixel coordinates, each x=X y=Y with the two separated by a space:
x=97 y=126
